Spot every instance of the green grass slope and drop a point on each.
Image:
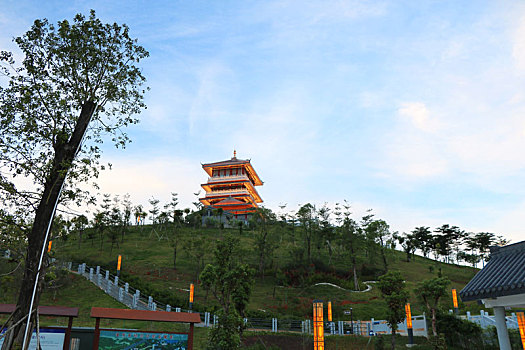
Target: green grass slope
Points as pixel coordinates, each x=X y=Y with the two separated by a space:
x=147 y=261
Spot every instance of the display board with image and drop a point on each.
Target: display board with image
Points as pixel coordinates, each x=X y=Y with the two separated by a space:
x=113 y=339
x=50 y=339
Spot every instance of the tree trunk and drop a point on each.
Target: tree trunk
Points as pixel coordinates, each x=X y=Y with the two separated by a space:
x=308 y=248
x=393 y=339
x=434 y=329
x=383 y=256
x=65 y=152
x=79 y=238
x=261 y=263
x=356 y=282
x=175 y=256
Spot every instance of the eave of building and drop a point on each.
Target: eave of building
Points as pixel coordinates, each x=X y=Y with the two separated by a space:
x=503 y=276
x=232 y=207
x=248 y=185
x=516 y=300
x=234 y=162
x=209 y=185
x=210 y=200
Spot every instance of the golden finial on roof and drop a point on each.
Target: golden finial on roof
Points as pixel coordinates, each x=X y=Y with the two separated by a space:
x=234 y=154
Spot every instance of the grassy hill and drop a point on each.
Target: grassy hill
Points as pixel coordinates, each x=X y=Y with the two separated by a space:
x=148 y=261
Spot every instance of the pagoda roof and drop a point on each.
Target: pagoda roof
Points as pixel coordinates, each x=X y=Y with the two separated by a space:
x=230 y=201
x=234 y=161
x=504 y=275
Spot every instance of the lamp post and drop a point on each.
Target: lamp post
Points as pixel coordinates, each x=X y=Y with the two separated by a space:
x=521 y=326
x=351 y=321
x=191 y=296
x=329 y=316
x=318 y=325
x=410 y=331
x=455 y=301
x=119 y=263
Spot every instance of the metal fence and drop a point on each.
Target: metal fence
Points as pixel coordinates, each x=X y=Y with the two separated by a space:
x=485 y=320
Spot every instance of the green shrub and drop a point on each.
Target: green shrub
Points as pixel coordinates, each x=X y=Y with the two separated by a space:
x=461 y=334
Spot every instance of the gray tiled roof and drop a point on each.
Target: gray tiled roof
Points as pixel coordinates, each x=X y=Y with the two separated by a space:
x=503 y=275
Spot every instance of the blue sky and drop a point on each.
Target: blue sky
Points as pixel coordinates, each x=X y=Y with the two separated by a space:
x=415 y=109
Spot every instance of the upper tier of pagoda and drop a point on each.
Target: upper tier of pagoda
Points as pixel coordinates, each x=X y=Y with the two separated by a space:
x=231 y=186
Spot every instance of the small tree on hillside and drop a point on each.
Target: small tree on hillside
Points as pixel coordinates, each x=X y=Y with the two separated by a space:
x=79 y=224
x=230 y=281
x=264 y=243
x=154 y=211
x=351 y=236
x=430 y=291
x=393 y=289
x=196 y=248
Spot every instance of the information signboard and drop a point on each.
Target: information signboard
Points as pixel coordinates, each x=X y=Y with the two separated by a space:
x=112 y=339
x=50 y=339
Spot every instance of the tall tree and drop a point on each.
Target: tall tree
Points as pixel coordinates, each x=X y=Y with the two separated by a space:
x=351 y=236
x=309 y=223
x=393 y=290
x=445 y=239
x=378 y=231
x=484 y=240
x=423 y=237
x=408 y=242
x=78 y=83
x=327 y=232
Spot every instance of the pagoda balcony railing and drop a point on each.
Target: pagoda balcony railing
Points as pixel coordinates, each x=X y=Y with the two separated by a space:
x=227 y=178
x=230 y=192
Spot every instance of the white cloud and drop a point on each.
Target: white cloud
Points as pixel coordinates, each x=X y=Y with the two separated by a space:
x=518 y=49
x=157 y=177
x=418 y=115
x=510 y=223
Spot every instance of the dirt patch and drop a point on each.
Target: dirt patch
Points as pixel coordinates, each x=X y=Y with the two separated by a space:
x=289 y=342
x=347 y=302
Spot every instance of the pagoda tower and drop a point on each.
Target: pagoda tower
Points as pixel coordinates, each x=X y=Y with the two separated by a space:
x=231 y=186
